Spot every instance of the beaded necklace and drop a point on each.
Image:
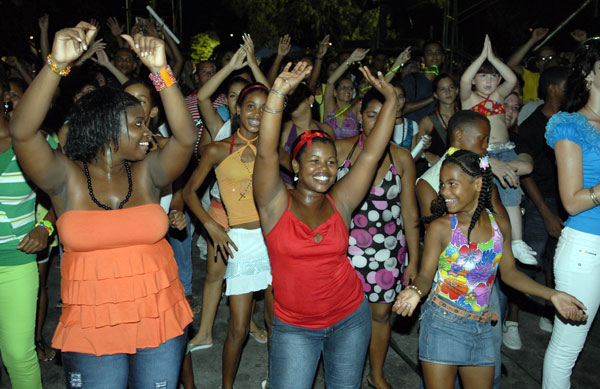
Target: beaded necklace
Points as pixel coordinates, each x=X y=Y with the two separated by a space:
x=98 y=203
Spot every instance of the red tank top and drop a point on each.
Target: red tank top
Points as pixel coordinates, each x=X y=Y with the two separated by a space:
x=314 y=284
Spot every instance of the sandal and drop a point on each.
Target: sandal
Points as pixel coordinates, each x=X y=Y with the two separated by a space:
x=260 y=335
x=45 y=353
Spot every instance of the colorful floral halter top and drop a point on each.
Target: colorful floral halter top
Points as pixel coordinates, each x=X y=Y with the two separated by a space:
x=466 y=271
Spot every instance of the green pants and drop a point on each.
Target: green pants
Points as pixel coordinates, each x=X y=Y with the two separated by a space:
x=18 y=302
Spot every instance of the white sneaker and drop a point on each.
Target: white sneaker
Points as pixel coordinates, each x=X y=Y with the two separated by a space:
x=523 y=253
x=546 y=324
x=510 y=335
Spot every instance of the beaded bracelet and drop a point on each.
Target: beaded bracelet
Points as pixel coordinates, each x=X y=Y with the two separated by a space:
x=416 y=290
x=47 y=225
x=594 y=197
x=162 y=79
x=54 y=67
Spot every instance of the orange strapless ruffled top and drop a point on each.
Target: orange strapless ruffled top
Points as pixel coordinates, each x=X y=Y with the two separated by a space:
x=119 y=287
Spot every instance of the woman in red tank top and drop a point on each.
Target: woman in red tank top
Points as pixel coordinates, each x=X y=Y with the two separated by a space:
x=319 y=302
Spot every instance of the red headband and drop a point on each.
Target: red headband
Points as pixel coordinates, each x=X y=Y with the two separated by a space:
x=249 y=88
x=307 y=138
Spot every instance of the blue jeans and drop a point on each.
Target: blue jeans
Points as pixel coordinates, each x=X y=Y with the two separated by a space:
x=536 y=235
x=156 y=367
x=295 y=352
x=181 y=242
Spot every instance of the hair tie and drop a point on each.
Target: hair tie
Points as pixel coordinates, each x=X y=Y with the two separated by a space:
x=484 y=162
x=307 y=138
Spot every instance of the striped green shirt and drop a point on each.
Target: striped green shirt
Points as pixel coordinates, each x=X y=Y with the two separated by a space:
x=17 y=210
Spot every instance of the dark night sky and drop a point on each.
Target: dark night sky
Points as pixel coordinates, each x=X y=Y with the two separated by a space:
x=506 y=23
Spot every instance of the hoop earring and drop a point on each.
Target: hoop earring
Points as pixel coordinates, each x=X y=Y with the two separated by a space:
x=588 y=85
x=109 y=161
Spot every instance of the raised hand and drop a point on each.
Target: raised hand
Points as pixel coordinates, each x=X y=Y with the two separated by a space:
x=358 y=55
x=13 y=61
x=151 y=30
x=289 y=79
x=101 y=58
x=238 y=60
x=95 y=47
x=285 y=45
x=568 y=306
x=95 y=23
x=43 y=22
x=539 y=33
x=406 y=302
x=150 y=50
x=248 y=47
x=70 y=43
x=115 y=28
x=323 y=47
x=379 y=83
x=579 y=35
x=404 y=56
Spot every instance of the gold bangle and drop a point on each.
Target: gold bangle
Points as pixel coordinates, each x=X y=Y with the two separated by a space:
x=594 y=197
x=54 y=67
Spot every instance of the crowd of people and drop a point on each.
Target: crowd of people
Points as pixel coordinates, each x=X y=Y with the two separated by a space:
x=341 y=188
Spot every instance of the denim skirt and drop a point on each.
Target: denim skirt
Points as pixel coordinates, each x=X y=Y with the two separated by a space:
x=448 y=339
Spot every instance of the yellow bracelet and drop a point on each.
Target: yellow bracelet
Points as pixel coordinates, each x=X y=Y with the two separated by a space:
x=54 y=67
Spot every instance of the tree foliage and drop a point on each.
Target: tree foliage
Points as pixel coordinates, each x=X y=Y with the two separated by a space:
x=202 y=45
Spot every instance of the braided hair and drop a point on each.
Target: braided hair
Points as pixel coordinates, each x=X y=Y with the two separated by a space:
x=470 y=163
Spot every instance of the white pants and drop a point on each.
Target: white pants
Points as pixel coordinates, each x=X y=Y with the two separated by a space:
x=577 y=272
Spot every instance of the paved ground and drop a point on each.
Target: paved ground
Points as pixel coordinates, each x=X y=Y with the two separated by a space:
x=524 y=367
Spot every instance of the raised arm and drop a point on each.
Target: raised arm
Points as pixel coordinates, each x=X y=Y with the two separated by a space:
x=269 y=189
x=316 y=72
x=102 y=60
x=252 y=62
x=166 y=164
x=44 y=41
x=510 y=80
x=284 y=47
x=116 y=29
x=329 y=99
x=514 y=62
x=15 y=63
x=402 y=58
x=172 y=49
x=46 y=167
x=470 y=73
x=349 y=192
x=212 y=120
x=574 y=196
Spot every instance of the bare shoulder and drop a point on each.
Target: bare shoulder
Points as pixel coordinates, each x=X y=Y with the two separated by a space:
x=425 y=125
x=401 y=155
x=343 y=147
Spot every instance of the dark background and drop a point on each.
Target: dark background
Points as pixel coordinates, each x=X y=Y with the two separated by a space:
x=506 y=21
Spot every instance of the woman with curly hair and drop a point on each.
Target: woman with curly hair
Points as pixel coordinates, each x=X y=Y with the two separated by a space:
x=124 y=315
x=455 y=334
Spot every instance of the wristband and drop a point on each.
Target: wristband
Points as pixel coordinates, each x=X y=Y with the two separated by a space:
x=54 y=67
x=47 y=225
x=162 y=79
x=416 y=290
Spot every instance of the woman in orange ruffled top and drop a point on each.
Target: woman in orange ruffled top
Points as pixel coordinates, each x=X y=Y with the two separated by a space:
x=124 y=313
